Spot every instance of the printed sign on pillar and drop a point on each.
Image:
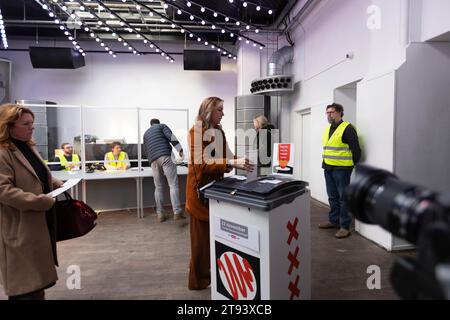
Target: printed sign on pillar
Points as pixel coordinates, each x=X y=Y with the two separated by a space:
x=283 y=159
x=237 y=274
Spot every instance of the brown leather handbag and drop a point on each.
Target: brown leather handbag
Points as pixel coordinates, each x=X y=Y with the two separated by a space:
x=74 y=218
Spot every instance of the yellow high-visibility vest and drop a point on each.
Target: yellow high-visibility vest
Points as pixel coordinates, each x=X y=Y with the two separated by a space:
x=335 y=152
x=116 y=163
x=64 y=162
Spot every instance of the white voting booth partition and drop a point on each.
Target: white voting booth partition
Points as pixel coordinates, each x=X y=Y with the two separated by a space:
x=260 y=239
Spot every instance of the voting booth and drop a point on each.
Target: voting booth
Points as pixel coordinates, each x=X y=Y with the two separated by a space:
x=260 y=239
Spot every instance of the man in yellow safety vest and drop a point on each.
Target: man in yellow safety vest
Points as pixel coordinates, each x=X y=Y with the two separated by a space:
x=341 y=152
x=68 y=160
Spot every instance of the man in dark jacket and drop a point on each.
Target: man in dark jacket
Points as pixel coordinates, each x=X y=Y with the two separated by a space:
x=158 y=142
x=341 y=152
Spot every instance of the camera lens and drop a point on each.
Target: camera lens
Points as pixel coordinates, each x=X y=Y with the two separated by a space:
x=377 y=197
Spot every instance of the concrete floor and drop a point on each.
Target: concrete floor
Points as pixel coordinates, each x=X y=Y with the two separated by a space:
x=129 y=258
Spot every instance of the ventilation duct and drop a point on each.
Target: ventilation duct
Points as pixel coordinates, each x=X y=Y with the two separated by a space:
x=276 y=83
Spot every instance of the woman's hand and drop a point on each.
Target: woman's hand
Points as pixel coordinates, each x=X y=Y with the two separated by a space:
x=242 y=164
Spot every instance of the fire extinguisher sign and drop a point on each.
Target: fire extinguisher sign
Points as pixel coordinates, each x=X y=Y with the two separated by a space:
x=237 y=274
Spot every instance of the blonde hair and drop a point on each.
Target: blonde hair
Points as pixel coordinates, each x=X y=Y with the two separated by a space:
x=9 y=114
x=206 y=110
x=262 y=120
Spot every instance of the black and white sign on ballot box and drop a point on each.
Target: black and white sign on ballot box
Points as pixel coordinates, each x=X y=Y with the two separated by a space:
x=260 y=239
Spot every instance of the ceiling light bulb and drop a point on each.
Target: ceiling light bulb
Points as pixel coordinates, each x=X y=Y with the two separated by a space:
x=122 y=23
x=258 y=8
x=188 y=4
x=151 y=45
x=203 y=22
x=191 y=35
x=113 y=34
x=227 y=19
x=244 y=4
x=213 y=27
x=57 y=21
x=270 y=12
x=114 y=56
x=232 y=35
x=173 y=26
x=102 y=44
x=51 y=14
x=166 y=6
x=215 y=14
x=45 y=7
x=70 y=38
x=64 y=8
x=163 y=20
x=92 y=35
x=231 y=1
x=191 y=17
x=206 y=43
x=202 y=9
x=150 y=14
x=179 y=11
x=97 y=39
x=212 y=46
x=260 y=48
x=256 y=31
x=145 y=40
x=198 y=39
x=81 y=8
x=223 y=30
x=247 y=42
x=138 y=7
x=83 y=54
x=238 y=23
x=254 y=44
x=86 y=29
x=157 y=50
x=182 y=30
x=99 y=23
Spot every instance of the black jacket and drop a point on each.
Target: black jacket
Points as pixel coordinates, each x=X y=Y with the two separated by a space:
x=264 y=144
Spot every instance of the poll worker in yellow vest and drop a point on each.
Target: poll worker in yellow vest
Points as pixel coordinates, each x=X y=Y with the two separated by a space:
x=341 y=152
x=68 y=160
x=116 y=159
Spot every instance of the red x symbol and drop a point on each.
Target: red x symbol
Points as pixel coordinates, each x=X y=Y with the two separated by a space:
x=293 y=259
x=292 y=230
x=293 y=287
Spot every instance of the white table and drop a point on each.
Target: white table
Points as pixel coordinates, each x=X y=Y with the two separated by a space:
x=111 y=174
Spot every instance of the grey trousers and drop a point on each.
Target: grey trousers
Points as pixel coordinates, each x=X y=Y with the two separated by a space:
x=164 y=166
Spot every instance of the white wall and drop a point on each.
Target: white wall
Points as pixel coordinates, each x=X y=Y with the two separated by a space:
x=128 y=81
x=435 y=18
x=333 y=29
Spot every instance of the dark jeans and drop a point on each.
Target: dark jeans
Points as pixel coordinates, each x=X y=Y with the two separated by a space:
x=337 y=181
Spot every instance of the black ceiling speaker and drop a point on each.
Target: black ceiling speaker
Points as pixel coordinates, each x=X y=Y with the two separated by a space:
x=56 y=58
x=202 y=60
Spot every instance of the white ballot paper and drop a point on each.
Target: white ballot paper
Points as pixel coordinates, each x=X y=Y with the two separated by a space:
x=252 y=156
x=66 y=186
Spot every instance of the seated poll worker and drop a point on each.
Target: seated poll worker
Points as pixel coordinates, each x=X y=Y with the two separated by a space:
x=67 y=161
x=117 y=159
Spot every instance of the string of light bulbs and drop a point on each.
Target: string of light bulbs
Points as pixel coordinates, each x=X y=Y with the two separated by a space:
x=183 y=29
x=213 y=26
x=101 y=22
x=146 y=40
x=217 y=13
x=3 y=31
x=85 y=27
x=52 y=14
x=258 y=7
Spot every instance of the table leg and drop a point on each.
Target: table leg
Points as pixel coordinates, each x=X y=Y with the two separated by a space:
x=83 y=191
x=138 y=198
